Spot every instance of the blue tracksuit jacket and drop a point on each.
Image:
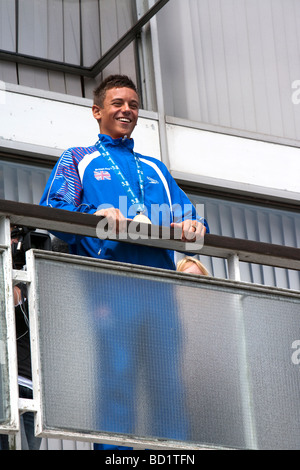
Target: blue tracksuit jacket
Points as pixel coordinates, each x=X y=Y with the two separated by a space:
x=83 y=181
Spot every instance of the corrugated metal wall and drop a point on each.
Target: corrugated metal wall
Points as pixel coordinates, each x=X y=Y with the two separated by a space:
x=229 y=63
x=71 y=31
x=24 y=183
x=232 y=63
x=251 y=222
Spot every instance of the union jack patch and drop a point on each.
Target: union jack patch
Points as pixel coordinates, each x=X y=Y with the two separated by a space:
x=101 y=175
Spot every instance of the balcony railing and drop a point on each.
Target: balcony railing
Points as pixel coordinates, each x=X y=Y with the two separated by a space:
x=232 y=249
x=149 y=357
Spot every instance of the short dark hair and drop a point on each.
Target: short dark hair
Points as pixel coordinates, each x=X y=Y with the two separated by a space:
x=113 y=81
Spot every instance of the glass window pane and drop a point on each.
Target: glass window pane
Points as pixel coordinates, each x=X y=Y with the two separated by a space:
x=160 y=357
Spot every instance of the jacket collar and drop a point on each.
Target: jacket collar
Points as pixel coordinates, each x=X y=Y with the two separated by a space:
x=107 y=140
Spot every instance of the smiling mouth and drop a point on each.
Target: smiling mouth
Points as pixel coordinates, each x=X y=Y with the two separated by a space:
x=126 y=120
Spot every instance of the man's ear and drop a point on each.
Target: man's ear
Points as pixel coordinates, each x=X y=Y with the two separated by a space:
x=96 y=112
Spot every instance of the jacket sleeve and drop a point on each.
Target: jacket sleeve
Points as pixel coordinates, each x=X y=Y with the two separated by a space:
x=182 y=207
x=64 y=190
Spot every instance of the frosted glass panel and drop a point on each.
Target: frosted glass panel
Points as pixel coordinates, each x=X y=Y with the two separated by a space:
x=273 y=333
x=166 y=357
x=4 y=387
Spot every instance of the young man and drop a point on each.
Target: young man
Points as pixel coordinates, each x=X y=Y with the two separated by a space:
x=111 y=180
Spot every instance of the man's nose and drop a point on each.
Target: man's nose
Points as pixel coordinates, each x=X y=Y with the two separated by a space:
x=126 y=107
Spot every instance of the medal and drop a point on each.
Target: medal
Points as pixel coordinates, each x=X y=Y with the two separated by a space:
x=142 y=218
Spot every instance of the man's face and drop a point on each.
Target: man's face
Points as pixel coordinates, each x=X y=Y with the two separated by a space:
x=119 y=114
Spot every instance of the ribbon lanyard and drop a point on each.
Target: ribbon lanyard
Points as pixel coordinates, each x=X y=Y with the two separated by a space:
x=140 y=205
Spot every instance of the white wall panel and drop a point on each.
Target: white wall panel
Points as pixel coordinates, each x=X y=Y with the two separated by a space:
x=235 y=159
x=54 y=124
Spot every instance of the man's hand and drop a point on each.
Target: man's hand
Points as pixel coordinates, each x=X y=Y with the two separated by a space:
x=191 y=230
x=115 y=219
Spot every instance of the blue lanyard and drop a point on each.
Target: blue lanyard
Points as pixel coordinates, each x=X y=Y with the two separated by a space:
x=140 y=205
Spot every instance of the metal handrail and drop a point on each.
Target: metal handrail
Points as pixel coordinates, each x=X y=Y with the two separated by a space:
x=53 y=219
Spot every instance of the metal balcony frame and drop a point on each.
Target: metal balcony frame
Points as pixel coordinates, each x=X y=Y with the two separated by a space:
x=234 y=250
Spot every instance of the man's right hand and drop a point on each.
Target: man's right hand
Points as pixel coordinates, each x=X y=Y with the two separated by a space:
x=116 y=221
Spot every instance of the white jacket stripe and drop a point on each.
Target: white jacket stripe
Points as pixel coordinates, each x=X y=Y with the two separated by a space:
x=85 y=162
x=161 y=176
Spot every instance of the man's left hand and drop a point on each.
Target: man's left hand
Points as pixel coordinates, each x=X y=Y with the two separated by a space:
x=191 y=230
